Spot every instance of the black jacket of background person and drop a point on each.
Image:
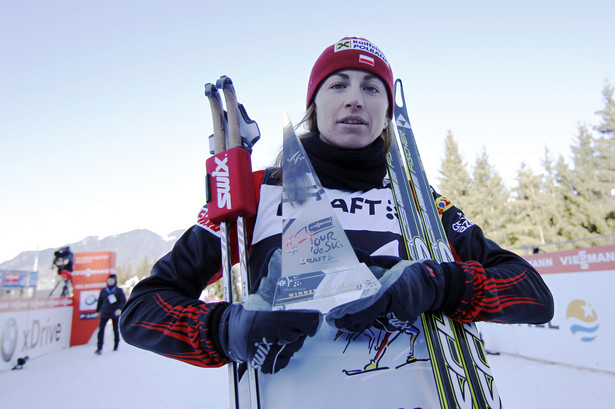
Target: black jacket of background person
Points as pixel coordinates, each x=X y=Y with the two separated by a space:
x=106 y=308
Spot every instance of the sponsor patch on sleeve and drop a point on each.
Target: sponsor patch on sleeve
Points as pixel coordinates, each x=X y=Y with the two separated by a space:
x=204 y=222
x=443 y=204
x=462 y=224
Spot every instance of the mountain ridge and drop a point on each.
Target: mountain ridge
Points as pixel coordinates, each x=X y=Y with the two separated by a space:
x=130 y=247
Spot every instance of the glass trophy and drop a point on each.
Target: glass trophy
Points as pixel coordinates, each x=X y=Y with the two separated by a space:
x=320 y=270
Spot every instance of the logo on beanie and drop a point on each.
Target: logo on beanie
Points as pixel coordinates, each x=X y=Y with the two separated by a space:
x=361 y=45
x=342 y=45
x=366 y=60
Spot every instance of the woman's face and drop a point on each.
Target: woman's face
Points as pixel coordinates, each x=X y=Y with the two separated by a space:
x=351 y=109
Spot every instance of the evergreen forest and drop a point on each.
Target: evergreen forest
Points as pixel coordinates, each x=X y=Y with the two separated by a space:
x=570 y=204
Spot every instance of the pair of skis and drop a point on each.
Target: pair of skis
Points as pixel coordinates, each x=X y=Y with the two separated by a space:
x=231 y=198
x=461 y=372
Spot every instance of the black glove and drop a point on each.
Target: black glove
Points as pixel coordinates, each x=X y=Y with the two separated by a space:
x=408 y=289
x=266 y=340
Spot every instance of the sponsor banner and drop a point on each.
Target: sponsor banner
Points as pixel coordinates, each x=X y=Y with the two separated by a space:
x=582 y=331
x=600 y=258
x=88 y=300
x=33 y=328
x=90 y=272
x=27 y=304
x=17 y=279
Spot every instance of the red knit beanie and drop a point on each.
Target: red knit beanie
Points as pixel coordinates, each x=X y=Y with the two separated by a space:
x=351 y=52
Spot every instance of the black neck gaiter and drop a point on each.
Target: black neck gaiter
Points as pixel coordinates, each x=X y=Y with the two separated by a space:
x=347 y=169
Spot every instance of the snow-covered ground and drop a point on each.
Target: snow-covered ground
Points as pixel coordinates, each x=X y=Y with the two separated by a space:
x=130 y=378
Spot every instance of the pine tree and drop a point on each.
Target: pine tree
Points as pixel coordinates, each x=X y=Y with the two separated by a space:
x=580 y=190
x=454 y=179
x=572 y=227
x=607 y=114
x=123 y=273
x=605 y=156
x=488 y=201
x=144 y=268
x=550 y=202
x=527 y=210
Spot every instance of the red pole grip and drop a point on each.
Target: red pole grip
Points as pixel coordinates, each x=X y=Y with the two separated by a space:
x=230 y=186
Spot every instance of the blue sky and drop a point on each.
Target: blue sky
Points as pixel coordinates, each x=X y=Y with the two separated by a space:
x=103 y=121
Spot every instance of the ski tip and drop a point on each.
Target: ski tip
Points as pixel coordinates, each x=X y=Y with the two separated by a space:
x=400 y=101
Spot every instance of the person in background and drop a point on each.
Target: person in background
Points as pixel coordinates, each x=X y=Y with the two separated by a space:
x=111 y=300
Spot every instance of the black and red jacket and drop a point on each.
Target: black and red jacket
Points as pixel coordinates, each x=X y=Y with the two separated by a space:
x=164 y=313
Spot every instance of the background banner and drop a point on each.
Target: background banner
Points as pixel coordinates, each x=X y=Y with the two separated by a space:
x=90 y=272
x=582 y=331
x=33 y=327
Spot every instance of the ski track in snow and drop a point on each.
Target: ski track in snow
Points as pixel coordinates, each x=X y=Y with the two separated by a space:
x=131 y=378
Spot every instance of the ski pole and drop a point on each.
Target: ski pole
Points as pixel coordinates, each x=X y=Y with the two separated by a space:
x=235 y=140
x=217 y=114
x=232 y=196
